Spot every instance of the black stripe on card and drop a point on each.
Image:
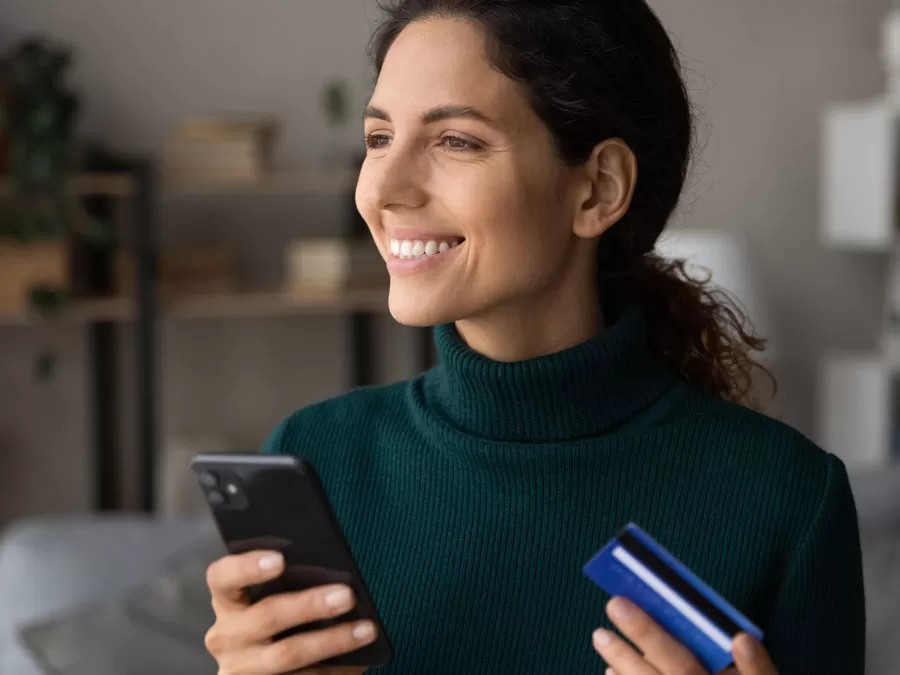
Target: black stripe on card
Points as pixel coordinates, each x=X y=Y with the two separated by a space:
x=677 y=583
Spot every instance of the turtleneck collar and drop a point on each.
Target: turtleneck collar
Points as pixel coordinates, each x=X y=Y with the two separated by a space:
x=580 y=392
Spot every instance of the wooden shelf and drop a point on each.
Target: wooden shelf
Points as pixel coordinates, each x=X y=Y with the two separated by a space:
x=266 y=304
x=90 y=185
x=230 y=306
x=301 y=182
x=81 y=311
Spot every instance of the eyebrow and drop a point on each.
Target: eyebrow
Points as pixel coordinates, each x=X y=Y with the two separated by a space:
x=438 y=114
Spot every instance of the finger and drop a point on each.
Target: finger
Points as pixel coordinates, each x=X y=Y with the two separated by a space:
x=309 y=649
x=229 y=576
x=620 y=656
x=659 y=648
x=278 y=613
x=751 y=658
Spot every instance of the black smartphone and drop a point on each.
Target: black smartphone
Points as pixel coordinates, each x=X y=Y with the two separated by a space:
x=277 y=503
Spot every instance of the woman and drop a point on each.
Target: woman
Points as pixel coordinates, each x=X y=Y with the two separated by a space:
x=523 y=158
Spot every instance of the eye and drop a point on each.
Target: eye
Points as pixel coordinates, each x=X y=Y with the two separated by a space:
x=455 y=143
x=377 y=141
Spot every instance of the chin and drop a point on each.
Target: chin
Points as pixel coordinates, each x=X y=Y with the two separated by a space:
x=418 y=309
x=415 y=316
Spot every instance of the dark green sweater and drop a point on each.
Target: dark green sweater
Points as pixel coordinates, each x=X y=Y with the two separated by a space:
x=473 y=495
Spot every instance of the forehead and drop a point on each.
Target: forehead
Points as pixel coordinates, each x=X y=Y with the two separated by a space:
x=443 y=61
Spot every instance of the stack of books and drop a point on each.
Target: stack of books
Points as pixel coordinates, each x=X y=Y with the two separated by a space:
x=212 y=150
x=182 y=272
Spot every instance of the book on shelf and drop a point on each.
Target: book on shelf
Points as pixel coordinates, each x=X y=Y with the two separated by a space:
x=182 y=272
x=218 y=150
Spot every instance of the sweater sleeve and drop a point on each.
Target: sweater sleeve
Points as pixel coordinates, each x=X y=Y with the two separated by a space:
x=274 y=443
x=818 y=624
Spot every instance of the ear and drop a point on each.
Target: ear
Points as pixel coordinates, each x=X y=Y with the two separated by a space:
x=610 y=176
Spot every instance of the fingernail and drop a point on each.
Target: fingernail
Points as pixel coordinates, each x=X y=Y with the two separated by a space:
x=610 y=671
x=602 y=638
x=745 y=645
x=620 y=608
x=364 y=631
x=339 y=598
x=270 y=562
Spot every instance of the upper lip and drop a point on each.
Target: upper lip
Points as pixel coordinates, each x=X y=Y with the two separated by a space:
x=411 y=234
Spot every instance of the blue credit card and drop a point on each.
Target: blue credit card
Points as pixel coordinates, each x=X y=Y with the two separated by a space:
x=635 y=567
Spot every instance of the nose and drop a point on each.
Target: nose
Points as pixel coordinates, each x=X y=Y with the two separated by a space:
x=393 y=180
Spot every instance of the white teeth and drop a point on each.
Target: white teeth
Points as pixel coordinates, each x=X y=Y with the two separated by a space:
x=415 y=248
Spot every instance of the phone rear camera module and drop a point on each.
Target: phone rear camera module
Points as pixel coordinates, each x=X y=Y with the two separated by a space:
x=208 y=480
x=216 y=498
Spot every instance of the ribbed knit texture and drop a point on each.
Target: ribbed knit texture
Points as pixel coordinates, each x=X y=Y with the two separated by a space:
x=473 y=495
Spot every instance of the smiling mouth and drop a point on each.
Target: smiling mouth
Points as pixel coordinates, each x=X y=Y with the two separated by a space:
x=413 y=249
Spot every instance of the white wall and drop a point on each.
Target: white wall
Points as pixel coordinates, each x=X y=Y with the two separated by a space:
x=760 y=72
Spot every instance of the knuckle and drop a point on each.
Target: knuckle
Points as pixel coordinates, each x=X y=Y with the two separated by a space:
x=220 y=572
x=306 y=606
x=267 y=621
x=283 y=656
x=214 y=640
x=212 y=574
x=618 y=650
x=328 y=643
x=282 y=611
x=639 y=626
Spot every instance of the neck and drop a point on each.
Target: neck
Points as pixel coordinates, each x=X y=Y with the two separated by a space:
x=534 y=327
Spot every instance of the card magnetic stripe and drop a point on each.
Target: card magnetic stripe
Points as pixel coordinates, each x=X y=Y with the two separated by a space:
x=672 y=579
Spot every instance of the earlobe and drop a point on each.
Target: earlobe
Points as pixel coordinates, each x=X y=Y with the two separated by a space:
x=611 y=173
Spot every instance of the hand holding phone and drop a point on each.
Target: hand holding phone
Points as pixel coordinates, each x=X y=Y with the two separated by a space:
x=242 y=639
x=290 y=595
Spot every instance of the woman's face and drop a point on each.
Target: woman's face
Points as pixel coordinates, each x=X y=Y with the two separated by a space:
x=462 y=188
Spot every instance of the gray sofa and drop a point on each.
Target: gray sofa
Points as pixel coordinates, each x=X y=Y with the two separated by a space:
x=51 y=567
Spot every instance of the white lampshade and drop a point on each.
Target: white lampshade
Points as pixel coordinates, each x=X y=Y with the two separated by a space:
x=729 y=258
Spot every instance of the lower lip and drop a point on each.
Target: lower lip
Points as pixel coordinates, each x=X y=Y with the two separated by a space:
x=401 y=267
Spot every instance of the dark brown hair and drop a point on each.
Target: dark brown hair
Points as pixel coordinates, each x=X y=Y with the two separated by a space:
x=599 y=69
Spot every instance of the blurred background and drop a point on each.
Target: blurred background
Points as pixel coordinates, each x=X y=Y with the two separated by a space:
x=181 y=266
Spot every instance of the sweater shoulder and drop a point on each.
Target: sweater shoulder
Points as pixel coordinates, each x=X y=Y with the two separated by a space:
x=755 y=432
x=778 y=459
x=327 y=422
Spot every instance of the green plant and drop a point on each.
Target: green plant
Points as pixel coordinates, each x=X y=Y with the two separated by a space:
x=336 y=102
x=38 y=113
x=39 y=119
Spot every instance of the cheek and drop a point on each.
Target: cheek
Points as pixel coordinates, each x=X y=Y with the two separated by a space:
x=517 y=226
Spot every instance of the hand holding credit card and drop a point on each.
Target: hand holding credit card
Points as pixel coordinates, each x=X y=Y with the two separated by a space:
x=635 y=567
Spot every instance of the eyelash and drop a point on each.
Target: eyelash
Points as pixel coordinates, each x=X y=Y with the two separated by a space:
x=372 y=141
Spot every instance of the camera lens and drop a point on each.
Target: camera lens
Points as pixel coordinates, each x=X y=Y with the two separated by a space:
x=215 y=498
x=208 y=480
